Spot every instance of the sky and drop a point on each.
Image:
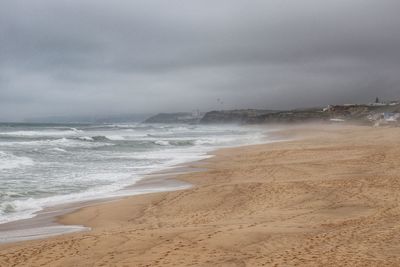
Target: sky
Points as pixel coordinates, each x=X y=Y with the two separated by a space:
x=98 y=57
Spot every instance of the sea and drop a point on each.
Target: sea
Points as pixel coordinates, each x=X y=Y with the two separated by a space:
x=42 y=165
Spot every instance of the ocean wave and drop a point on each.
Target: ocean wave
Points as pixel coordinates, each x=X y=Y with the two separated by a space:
x=123 y=127
x=182 y=142
x=66 y=142
x=102 y=138
x=215 y=141
x=63 y=142
x=188 y=142
x=86 y=138
x=76 y=130
x=71 y=131
x=69 y=167
x=115 y=137
x=57 y=149
x=10 y=161
x=18 y=210
x=205 y=142
x=161 y=143
x=26 y=208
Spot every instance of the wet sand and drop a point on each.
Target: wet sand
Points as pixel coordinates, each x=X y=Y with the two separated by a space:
x=329 y=197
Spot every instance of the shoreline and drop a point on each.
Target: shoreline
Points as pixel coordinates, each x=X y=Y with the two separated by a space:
x=329 y=197
x=46 y=223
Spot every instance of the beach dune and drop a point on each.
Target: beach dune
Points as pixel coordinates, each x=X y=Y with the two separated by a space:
x=328 y=197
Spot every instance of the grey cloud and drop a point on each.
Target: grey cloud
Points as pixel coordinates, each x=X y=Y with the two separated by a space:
x=82 y=57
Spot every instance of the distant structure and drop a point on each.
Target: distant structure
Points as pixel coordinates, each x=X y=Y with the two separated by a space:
x=378 y=102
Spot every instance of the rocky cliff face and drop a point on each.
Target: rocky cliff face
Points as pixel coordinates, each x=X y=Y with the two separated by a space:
x=364 y=114
x=234 y=116
x=264 y=116
x=295 y=116
x=351 y=113
x=360 y=112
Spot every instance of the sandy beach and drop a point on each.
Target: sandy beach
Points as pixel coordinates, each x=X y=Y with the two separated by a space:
x=329 y=197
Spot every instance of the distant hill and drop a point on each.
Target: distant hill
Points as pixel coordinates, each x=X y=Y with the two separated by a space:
x=354 y=113
x=361 y=114
x=253 y=116
x=235 y=116
x=179 y=117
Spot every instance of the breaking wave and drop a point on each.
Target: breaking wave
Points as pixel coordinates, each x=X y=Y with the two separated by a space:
x=44 y=133
x=10 y=161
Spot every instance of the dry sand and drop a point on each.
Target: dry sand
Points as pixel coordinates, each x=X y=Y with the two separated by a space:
x=329 y=198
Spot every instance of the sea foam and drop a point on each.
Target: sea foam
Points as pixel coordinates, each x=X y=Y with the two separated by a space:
x=41 y=133
x=10 y=161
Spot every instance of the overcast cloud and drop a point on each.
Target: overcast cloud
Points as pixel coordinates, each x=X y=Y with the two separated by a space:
x=81 y=57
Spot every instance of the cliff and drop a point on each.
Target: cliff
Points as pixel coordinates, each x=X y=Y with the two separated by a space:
x=234 y=116
x=361 y=114
x=295 y=116
x=252 y=116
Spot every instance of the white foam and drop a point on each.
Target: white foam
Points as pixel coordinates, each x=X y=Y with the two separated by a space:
x=24 y=209
x=76 y=130
x=115 y=137
x=41 y=133
x=208 y=141
x=10 y=161
x=59 y=149
x=18 y=210
x=86 y=138
x=162 y=143
x=63 y=142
